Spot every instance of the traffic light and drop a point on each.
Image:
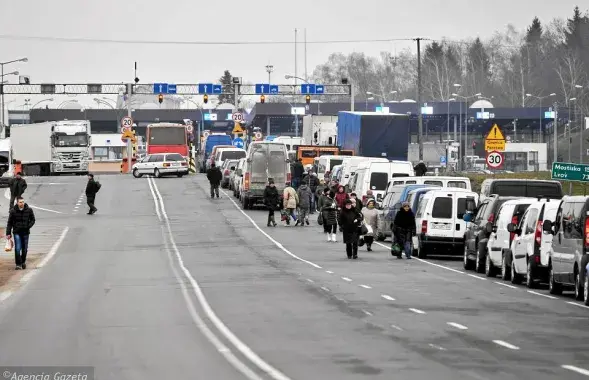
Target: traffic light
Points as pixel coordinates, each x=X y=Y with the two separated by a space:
x=474 y=145
x=262 y=99
x=160 y=98
x=308 y=99
x=205 y=99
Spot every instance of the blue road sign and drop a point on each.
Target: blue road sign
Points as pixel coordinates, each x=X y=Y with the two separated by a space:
x=238 y=142
x=443 y=160
x=274 y=89
x=160 y=88
x=262 y=88
x=205 y=88
x=319 y=89
x=171 y=89
x=217 y=89
x=308 y=89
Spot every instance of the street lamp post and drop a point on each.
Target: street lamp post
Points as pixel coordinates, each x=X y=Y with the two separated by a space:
x=269 y=70
x=540 y=98
x=449 y=100
x=2 y=64
x=41 y=101
x=466 y=98
x=66 y=102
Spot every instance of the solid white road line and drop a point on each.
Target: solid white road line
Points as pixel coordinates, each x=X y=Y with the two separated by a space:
x=542 y=295
x=367 y=313
x=324 y=288
x=576 y=369
x=276 y=243
x=386 y=297
x=417 y=311
x=477 y=277
x=157 y=207
x=53 y=249
x=396 y=327
x=457 y=325
x=506 y=285
x=365 y=286
x=506 y=345
x=437 y=347
x=328 y=271
x=212 y=316
x=45 y=209
x=309 y=280
x=347 y=279
x=427 y=262
x=577 y=304
x=5 y=295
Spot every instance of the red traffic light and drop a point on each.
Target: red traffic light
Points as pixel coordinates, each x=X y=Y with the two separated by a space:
x=262 y=99
x=308 y=99
x=205 y=99
x=160 y=98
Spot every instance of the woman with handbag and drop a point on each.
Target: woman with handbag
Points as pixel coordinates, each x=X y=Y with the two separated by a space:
x=329 y=216
x=350 y=221
x=371 y=219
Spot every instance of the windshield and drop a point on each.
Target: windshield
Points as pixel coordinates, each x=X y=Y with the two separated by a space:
x=3 y=162
x=378 y=181
x=268 y=161
x=65 y=140
x=167 y=136
x=232 y=154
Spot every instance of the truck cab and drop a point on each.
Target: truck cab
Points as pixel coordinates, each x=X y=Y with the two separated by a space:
x=70 y=145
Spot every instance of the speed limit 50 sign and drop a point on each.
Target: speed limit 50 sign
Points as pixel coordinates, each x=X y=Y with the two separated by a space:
x=494 y=160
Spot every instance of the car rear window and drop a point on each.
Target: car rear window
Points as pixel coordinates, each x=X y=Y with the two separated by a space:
x=461 y=208
x=458 y=184
x=434 y=183
x=546 y=190
x=232 y=155
x=442 y=208
x=174 y=157
x=378 y=181
x=529 y=189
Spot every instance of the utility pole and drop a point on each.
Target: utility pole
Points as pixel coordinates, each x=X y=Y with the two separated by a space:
x=419 y=115
x=129 y=142
x=555 y=135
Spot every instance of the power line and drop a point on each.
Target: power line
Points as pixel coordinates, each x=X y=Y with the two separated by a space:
x=152 y=42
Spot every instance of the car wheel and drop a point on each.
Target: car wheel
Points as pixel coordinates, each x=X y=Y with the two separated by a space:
x=530 y=281
x=422 y=251
x=467 y=264
x=157 y=174
x=490 y=269
x=180 y=175
x=480 y=260
x=516 y=278
x=245 y=203
x=579 y=291
x=505 y=269
x=553 y=286
x=136 y=173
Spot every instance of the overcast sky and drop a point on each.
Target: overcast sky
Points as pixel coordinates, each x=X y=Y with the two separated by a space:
x=231 y=20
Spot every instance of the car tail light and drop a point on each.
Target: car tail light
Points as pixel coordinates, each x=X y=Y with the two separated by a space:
x=538 y=234
x=288 y=178
x=424 y=226
x=184 y=163
x=587 y=233
x=491 y=218
x=166 y=165
x=514 y=222
x=246 y=181
x=226 y=171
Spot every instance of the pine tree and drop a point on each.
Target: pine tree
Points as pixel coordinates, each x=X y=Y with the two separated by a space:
x=227 y=95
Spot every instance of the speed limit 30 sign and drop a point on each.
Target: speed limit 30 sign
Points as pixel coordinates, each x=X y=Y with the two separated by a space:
x=494 y=160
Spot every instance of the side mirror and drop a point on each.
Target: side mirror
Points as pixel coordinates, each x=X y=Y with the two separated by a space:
x=467 y=217
x=547 y=227
x=512 y=228
x=489 y=227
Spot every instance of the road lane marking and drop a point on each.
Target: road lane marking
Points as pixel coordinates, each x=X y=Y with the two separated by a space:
x=324 y=288
x=417 y=311
x=387 y=297
x=347 y=279
x=577 y=304
x=367 y=312
x=576 y=369
x=211 y=315
x=5 y=295
x=457 y=325
x=506 y=285
x=157 y=208
x=542 y=295
x=45 y=209
x=309 y=280
x=277 y=243
x=506 y=345
x=437 y=347
x=429 y=263
x=477 y=277
x=53 y=249
x=365 y=286
x=328 y=271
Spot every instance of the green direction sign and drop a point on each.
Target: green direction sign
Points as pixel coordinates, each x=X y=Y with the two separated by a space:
x=570 y=172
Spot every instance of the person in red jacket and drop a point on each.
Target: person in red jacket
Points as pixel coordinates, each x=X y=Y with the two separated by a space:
x=340 y=200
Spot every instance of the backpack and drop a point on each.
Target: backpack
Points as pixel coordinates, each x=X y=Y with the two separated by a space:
x=98 y=186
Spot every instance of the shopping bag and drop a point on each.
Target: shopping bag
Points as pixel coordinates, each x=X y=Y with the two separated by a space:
x=396 y=249
x=361 y=241
x=363 y=230
x=8 y=246
x=369 y=229
x=320 y=219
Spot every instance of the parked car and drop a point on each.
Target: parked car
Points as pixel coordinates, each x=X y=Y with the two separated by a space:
x=521 y=188
x=227 y=168
x=569 y=255
x=235 y=176
x=161 y=164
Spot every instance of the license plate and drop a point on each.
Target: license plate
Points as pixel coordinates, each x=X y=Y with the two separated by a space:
x=441 y=226
x=175 y=164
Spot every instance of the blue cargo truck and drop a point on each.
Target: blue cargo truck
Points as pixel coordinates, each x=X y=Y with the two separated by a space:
x=371 y=134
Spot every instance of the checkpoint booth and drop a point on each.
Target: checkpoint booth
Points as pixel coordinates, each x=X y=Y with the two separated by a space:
x=107 y=153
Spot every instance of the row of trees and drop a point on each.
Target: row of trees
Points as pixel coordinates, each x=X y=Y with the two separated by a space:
x=544 y=58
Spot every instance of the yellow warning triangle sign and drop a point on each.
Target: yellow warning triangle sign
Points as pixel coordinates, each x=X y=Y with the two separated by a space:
x=495 y=133
x=237 y=129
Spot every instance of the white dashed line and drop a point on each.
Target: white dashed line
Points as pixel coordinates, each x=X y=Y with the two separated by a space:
x=477 y=277
x=577 y=304
x=417 y=311
x=341 y=299
x=506 y=285
x=309 y=280
x=347 y=279
x=367 y=312
x=437 y=347
x=457 y=325
x=386 y=297
x=324 y=288
x=542 y=295
x=328 y=271
x=396 y=327
x=5 y=296
x=366 y=286
x=576 y=369
x=506 y=345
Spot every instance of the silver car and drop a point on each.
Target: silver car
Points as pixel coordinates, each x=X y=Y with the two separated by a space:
x=161 y=164
x=228 y=168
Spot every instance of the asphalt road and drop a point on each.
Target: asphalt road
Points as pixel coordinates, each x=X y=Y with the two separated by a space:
x=200 y=288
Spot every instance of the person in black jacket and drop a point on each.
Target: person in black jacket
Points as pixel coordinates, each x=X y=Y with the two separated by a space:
x=20 y=221
x=92 y=188
x=17 y=186
x=420 y=169
x=272 y=201
x=297 y=173
x=350 y=220
x=214 y=176
x=404 y=229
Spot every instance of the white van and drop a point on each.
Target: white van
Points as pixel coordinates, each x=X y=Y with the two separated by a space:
x=374 y=175
x=350 y=164
x=223 y=154
x=324 y=164
x=290 y=142
x=457 y=182
x=439 y=221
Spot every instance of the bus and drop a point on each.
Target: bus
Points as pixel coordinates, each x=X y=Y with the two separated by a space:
x=167 y=138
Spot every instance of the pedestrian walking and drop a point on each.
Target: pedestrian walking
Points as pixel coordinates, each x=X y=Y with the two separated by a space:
x=214 y=176
x=20 y=221
x=298 y=170
x=369 y=195
x=350 y=220
x=272 y=201
x=322 y=190
x=357 y=202
x=329 y=214
x=313 y=185
x=92 y=188
x=340 y=199
x=17 y=186
x=290 y=201
x=404 y=230
x=305 y=196
x=371 y=219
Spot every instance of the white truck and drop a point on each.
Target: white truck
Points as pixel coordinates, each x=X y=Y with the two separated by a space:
x=320 y=130
x=52 y=148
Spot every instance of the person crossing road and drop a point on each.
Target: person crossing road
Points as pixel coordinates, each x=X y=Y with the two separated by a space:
x=20 y=221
